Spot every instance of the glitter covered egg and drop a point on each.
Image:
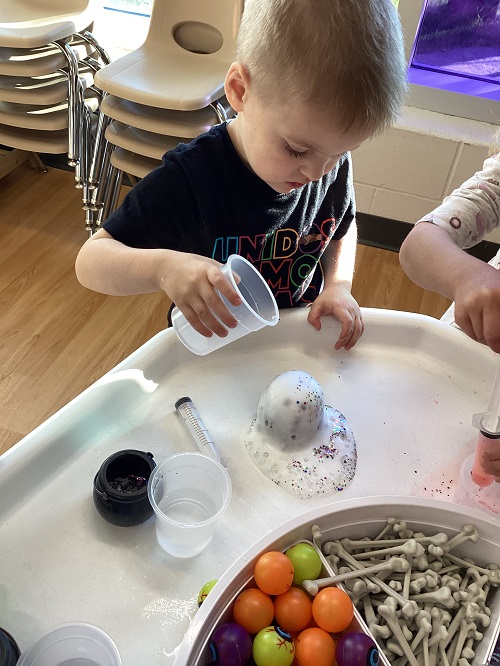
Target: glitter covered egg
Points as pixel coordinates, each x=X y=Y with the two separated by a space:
x=291 y=409
x=297 y=441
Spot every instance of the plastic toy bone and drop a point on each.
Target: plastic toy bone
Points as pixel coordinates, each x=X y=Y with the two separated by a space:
x=435 y=579
x=481 y=580
x=451 y=582
x=467 y=651
x=407 y=578
x=316 y=536
x=334 y=561
x=377 y=630
x=401 y=528
x=474 y=612
x=439 y=634
x=467 y=612
x=388 y=527
x=424 y=624
x=392 y=620
x=441 y=596
x=455 y=652
x=359 y=588
x=393 y=564
x=358 y=591
x=409 y=547
x=438 y=539
x=468 y=533
x=395 y=647
x=493 y=574
x=409 y=608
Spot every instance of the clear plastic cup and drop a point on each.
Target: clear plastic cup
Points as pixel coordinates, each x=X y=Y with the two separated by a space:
x=189 y=492
x=258 y=309
x=75 y=644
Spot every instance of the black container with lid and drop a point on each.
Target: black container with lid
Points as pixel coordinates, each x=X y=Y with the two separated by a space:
x=121 y=488
x=9 y=649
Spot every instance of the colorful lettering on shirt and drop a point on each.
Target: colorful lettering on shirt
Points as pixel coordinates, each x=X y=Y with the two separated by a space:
x=286 y=260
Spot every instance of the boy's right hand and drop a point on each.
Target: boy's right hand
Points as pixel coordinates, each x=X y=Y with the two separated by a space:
x=192 y=281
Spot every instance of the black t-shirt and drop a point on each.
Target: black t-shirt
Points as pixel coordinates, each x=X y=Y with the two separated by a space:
x=204 y=199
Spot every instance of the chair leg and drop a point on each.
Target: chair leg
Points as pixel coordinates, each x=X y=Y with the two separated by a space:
x=90 y=39
x=81 y=166
x=35 y=162
x=115 y=191
x=98 y=152
x=86 y=156
x=98 y=191
x=220 y=111
x=110 y=190
x=91 y=221
x=73 y=101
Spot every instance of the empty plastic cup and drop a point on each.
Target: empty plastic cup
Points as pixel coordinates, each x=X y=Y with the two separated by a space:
x=189 y=492
x=76 y=644
x=258 y=309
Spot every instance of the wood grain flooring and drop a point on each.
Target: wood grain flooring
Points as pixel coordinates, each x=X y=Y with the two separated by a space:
x=57 y=337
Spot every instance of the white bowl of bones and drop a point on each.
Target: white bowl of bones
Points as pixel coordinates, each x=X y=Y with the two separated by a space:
x=424 y=576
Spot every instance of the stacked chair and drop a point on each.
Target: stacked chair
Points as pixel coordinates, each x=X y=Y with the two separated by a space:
x=48 y=59
x=167 y=91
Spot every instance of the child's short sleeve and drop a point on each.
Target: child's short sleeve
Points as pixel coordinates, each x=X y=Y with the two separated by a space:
x=152 y=212
x=472 y=210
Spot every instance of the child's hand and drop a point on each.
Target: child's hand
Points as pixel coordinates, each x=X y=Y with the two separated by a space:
x=338 y=301
x=477 y=306
x=490 y=459
x=191 y=283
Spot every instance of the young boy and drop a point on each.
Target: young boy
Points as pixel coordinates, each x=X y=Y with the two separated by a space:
x=311 y=81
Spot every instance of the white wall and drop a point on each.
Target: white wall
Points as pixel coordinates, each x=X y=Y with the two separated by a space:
x=407 y=171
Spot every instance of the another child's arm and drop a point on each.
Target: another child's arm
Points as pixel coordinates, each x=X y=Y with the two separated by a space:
x=431 y=258
x=336 y=298
x=189 y=280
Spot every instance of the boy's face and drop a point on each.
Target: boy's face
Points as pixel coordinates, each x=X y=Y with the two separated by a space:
x=288 y=146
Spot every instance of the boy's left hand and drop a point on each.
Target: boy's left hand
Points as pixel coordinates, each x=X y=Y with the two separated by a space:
x=338 y=301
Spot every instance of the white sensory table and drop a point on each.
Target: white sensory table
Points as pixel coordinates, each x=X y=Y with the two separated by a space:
x=408 y=390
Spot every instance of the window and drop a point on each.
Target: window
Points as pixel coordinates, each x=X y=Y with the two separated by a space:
x=453 y=51
x=121 y=26
x=141 y=7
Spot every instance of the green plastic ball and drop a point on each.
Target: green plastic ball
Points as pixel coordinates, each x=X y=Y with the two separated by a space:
x=205 y=590
x=273 y=646
x=306 y=562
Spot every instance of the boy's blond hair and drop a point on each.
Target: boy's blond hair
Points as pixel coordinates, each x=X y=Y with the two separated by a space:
x=346 y=56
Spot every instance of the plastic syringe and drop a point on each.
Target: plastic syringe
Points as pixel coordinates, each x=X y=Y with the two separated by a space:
x=489 y=421
x=488 y=424
x=196 y=428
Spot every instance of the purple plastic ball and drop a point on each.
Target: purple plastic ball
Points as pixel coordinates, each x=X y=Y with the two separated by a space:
x=230 y=645
x=356 y=649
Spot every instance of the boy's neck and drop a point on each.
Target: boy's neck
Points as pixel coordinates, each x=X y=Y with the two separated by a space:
x=232 y=130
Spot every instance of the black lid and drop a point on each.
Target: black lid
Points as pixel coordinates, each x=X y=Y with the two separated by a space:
x=9 y=650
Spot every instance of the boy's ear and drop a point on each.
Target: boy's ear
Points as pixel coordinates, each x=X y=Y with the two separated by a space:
x=236 y=86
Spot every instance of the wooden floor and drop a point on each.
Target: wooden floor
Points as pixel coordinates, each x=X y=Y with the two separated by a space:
x=56 y=337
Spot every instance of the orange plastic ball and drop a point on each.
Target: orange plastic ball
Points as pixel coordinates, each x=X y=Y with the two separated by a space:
x=293 y=609
x=273 y=573
x=254 y=610
x=314 y=647
x=332 y=609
